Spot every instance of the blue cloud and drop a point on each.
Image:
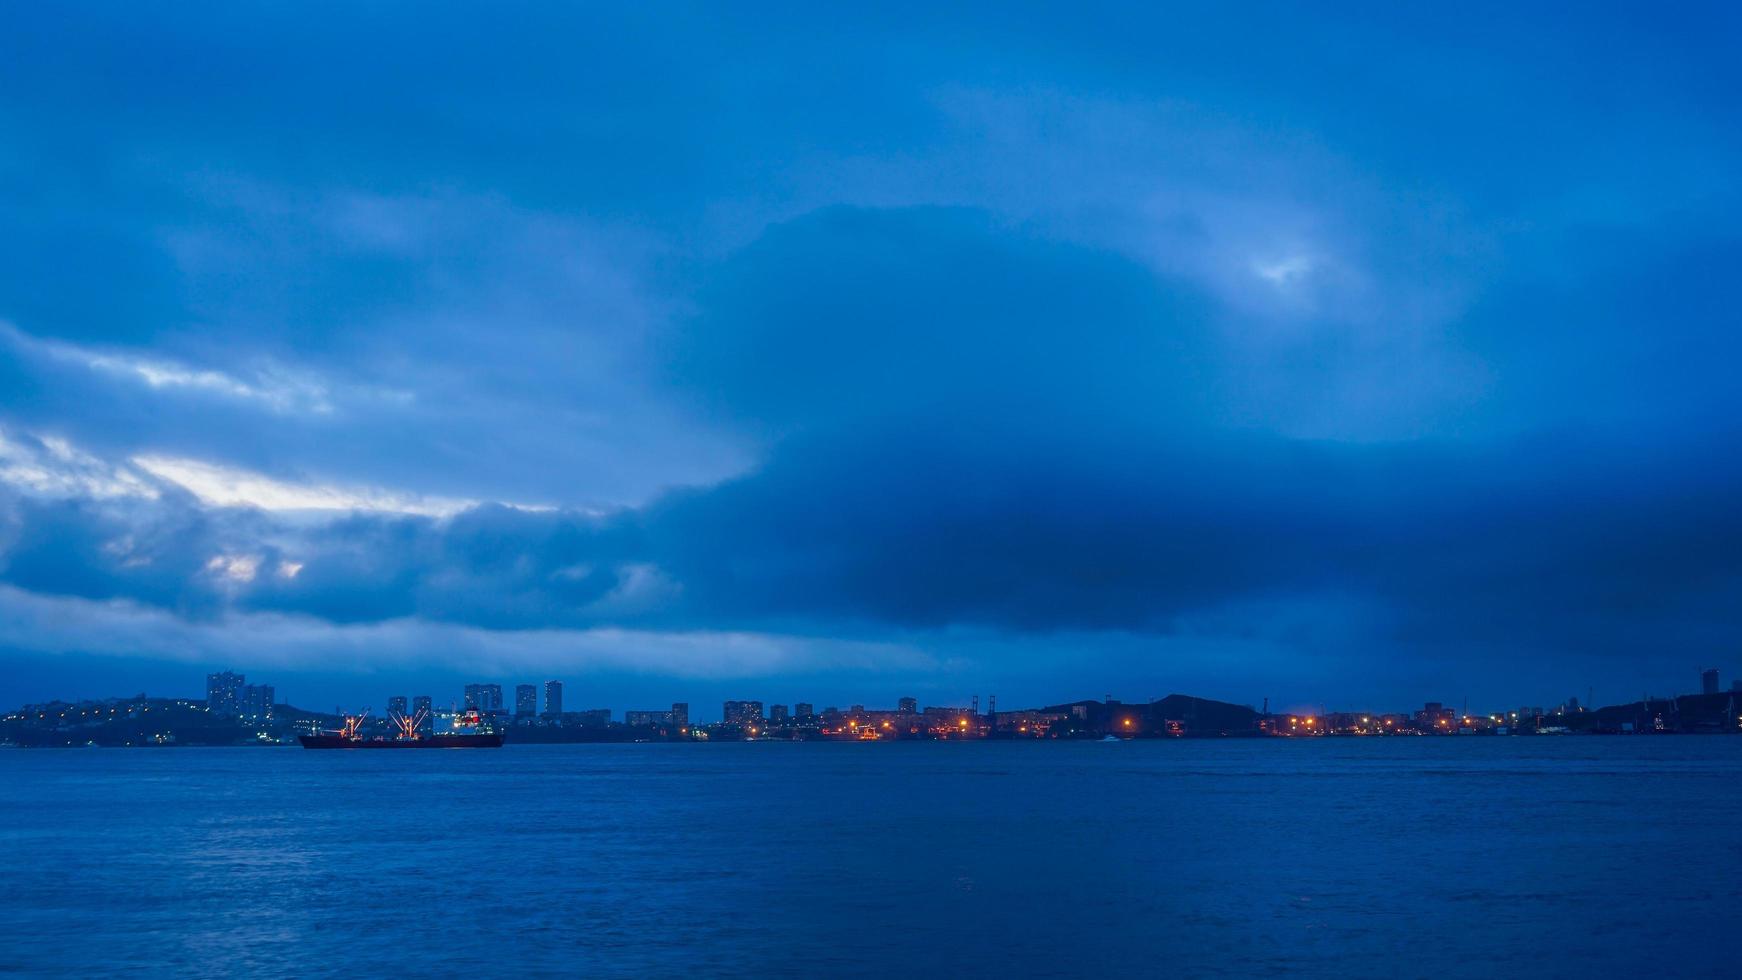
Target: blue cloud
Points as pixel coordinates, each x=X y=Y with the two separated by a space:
x=999 y=336
x=851 y=315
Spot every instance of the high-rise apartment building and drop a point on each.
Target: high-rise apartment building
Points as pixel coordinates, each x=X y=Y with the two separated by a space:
x=743 y=712
x=255 y=703
x=553 y=698
x=484 y=697
x=224 y=693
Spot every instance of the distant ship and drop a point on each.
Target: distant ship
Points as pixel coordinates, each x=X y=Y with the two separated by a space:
x=409 y=735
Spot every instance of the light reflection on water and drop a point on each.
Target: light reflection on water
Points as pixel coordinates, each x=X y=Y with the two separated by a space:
x=1558 y=857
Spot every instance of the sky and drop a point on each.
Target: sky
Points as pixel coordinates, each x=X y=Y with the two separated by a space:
x=1341 y=355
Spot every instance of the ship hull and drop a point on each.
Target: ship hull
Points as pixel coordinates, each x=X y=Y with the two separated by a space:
x=482 y=741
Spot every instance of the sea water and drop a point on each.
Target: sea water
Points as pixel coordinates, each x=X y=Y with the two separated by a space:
x=1540 y=857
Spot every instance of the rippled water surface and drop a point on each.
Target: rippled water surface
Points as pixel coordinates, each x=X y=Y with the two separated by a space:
x=1539 y=856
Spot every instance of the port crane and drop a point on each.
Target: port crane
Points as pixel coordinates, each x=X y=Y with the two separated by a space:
x=408 y=725
x=353 y=725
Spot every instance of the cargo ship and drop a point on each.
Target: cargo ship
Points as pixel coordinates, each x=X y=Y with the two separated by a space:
x=409 y=735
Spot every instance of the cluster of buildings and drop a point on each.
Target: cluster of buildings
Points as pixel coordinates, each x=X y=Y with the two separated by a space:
x=136 y=720
x=1715 y=710
x=488 y=703
x=229 y=695
x=1175 y=716
x=237 y=712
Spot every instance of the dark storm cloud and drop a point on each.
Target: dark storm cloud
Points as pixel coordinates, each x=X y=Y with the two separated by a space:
x=850 y=315
x=1555 y=543
x=154 y=552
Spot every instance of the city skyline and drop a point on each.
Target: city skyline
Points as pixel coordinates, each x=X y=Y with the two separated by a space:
x=316 y=688
x=235 y=713
x=1171 y=348
x=228 y=693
